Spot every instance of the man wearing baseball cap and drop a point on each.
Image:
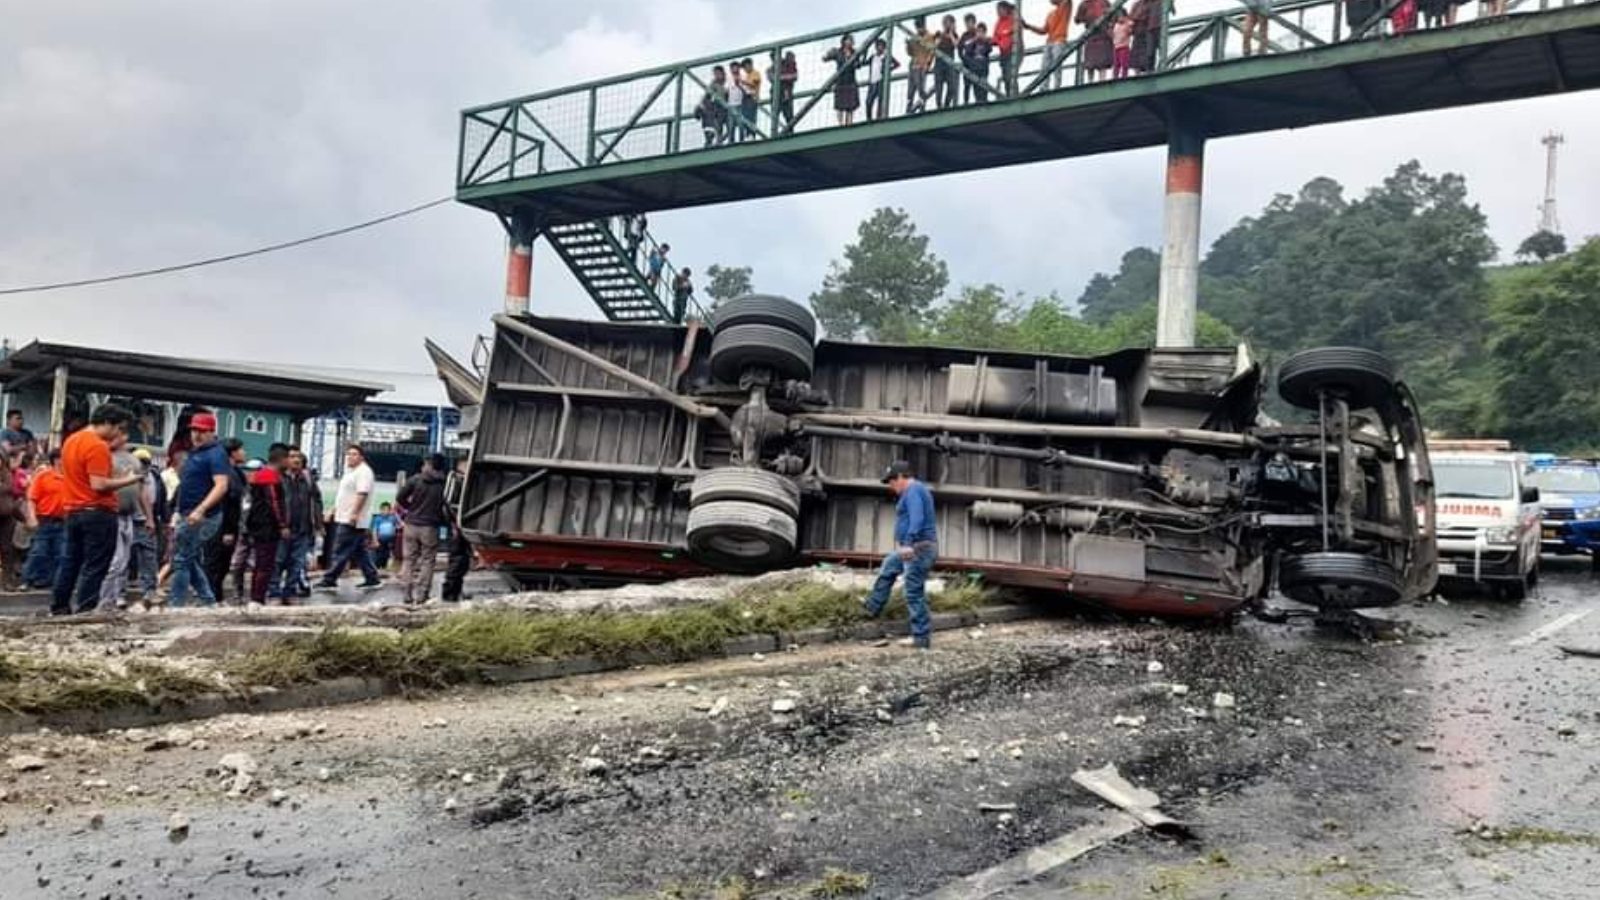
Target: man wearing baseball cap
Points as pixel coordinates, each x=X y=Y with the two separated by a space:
x=916 y=538
x=202 y=487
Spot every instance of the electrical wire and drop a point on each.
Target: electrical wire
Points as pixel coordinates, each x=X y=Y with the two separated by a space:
x=231 y=257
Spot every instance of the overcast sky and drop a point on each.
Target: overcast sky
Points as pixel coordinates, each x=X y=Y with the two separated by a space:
x=139 y=134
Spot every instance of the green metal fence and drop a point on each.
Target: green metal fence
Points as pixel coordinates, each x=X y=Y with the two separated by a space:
x=674 y=109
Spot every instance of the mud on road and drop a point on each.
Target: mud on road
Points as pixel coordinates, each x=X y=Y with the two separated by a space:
x=1344 y=769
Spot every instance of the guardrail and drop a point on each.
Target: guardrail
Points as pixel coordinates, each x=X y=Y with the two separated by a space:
x=677 y=109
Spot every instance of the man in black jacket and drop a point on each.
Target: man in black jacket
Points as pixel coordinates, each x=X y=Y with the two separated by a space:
x=422 y=498
x=219 y=554
x=303 y=507
x=267 y=522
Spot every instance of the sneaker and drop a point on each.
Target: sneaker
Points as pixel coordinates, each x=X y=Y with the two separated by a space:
x=370 y=585
x=323 y=587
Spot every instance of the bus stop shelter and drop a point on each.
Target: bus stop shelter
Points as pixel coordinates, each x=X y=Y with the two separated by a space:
x=38 y=377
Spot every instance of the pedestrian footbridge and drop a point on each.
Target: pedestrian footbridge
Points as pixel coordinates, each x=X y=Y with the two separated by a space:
x=633 y=143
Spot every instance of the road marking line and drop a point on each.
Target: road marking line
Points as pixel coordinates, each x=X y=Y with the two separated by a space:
x=1549 y=628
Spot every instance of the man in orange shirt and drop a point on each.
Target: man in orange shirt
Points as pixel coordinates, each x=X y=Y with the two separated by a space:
x=89 y=495
x=50 y=524
x=1055 y=39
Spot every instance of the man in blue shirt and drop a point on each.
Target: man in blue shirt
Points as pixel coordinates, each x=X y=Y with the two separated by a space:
x=916 y=539
x=202 y=489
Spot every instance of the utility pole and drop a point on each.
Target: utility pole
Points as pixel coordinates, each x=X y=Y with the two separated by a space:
x=1548 y=221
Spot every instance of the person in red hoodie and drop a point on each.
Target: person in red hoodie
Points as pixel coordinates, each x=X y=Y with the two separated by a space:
x=267 y=521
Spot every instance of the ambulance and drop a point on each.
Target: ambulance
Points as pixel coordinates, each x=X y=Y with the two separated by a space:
x=1488 y=518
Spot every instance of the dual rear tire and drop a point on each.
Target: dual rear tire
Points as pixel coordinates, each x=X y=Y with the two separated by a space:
x=757 y=331
x=743 y=520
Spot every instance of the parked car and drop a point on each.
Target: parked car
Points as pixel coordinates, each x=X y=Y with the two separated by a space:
x=1569 y=497
x=1489 y=521
x=1142 y=480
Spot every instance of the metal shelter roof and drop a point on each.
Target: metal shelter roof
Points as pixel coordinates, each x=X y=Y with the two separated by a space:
x=631 y=144
x=205 y=382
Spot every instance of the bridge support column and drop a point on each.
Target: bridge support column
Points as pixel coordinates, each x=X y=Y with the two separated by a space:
x=1180 y=248
x=519 y=266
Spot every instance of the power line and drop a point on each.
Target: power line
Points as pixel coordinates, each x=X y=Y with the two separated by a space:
x=231 y=257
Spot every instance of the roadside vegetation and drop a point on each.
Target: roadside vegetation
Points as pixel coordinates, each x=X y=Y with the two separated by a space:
x=457 y=649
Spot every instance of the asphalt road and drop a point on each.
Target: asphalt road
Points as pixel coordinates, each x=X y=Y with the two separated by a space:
x=1347 y=769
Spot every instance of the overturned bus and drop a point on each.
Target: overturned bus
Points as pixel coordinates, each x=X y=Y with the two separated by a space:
x=1146 y=481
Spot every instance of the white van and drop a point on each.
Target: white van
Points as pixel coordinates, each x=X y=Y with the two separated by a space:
x=1488 y=523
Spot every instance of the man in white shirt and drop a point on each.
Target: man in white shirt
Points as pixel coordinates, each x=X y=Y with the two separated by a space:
x=351 y=513
x=736 y=92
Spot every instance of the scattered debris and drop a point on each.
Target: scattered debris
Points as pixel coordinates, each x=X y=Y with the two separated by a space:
x=97 y=820
x=451 y=804
x=1128 y=722
x=971 y=755
x=1426 y=747
x=997 y=807
x=277 y=797
x=1590 y=652
x=1155 y=668
x=1224 y=701
x=593 y=766
x=783 y=705
x=1141 y=803
x=1179 y=690
x=1568 y=728
x=177 y=827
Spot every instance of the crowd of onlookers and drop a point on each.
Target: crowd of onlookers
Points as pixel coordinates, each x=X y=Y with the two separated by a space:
x=106 y=526
x=967 y=62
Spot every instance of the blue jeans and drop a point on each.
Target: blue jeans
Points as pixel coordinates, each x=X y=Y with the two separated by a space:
x=916 y=573
x=44 y=554
x=350 y=546
x=189 y=561
x=291 y=567
x=91 y=542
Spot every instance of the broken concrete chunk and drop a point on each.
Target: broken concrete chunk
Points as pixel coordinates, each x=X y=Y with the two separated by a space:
x=593 y=766
x=26 y=762
x=1224 y=701
x=1128 y=722
x=1155 y=668
x=277 y=797
x=1179 y=690
x=177 y=827
x=783 y=705
x=971 y=754
x=238 y=763
x=717 y=708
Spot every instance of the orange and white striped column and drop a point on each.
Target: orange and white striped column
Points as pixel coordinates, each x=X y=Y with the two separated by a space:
x=519 y=268
x=1180 y=249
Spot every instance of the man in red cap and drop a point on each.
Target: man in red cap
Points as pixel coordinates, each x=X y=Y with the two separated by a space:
x=202 y=486
x=89 y=495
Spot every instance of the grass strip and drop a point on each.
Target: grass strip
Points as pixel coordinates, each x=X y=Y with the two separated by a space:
x=456 y=649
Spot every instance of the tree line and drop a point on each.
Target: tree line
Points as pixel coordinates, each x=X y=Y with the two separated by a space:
x=1405 y=268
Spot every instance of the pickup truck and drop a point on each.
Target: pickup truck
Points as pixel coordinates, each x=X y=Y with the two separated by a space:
x=1145 y=480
